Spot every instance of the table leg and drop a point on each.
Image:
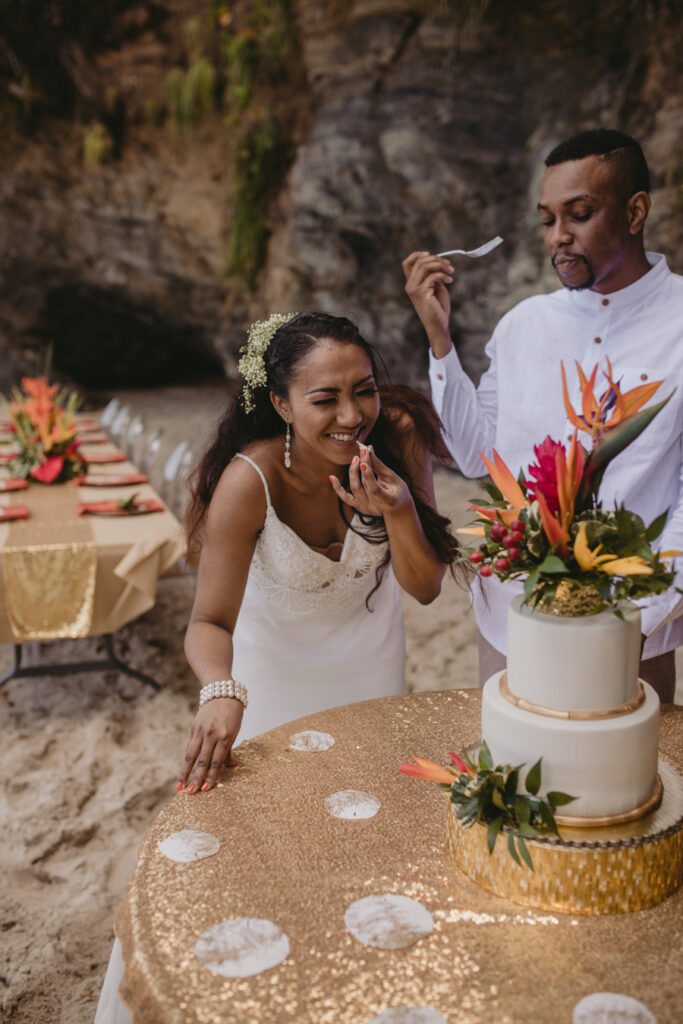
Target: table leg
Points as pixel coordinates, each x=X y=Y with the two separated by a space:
x=112 y=661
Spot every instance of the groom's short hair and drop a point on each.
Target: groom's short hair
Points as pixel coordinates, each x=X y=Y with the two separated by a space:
x=616 y=148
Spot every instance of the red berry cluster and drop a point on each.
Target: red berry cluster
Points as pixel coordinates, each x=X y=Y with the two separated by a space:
x=510 y=538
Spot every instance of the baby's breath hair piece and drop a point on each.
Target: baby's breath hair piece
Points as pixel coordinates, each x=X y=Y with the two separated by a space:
x=252 y=364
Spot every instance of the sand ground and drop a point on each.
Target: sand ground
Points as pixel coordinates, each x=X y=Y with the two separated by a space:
x=87 y=761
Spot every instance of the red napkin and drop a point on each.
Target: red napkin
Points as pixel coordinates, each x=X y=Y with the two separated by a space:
x=87 y=423
x=13 y=512
x=7 y=456
x=92 y=438
x=107 y=457
x=110 y=479
x=13 y=484
x=112 y=508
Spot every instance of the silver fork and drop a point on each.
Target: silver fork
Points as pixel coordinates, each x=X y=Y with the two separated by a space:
x=483 y=250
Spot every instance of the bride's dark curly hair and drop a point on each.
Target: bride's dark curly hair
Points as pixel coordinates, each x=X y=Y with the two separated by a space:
x=402 y=410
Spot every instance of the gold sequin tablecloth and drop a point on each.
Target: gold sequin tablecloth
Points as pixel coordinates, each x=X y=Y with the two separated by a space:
x=283 y=857
x=64 y=575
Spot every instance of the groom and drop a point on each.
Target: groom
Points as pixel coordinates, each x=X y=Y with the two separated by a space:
x=618 y=302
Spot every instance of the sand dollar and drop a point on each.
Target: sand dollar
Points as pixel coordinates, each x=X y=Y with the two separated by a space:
x=189 y=845
x=409 y=1015
x=388 y=921
x=604 y=1007
x=242 y=947
x=352 y=803
x=311 y=740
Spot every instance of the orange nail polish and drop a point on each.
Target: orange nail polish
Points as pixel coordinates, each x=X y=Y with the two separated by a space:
x=363 y=466
x=178 y=786
x=190 y=788
x=204 y=787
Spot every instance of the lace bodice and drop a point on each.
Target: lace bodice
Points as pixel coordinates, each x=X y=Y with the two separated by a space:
x=302 y=580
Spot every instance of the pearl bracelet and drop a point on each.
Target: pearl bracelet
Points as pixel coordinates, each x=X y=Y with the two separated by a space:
x=223 y=688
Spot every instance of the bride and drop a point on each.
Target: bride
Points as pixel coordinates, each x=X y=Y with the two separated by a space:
x=315 y=498
x=313 y=502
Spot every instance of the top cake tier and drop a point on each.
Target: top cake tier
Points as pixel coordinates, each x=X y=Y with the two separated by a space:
x=589 y=663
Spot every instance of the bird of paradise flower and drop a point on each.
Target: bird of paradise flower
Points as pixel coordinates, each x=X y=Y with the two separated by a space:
x=613 y=421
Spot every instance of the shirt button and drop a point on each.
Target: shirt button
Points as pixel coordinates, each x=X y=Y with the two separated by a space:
x=597 y=340
x=643 y=376
x=605 y=302
x=439 y=376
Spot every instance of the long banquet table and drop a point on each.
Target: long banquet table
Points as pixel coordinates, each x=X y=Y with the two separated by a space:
x=283 y=857
x=67 y=576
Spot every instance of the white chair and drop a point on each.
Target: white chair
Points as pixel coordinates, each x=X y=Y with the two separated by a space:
x=171 y=472
x=182 y=488
x=150 y=448
x=134 y=436
x=109 y=412
x=120 y=423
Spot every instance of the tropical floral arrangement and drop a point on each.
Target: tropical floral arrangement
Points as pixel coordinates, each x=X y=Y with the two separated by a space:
x=490 y=795
x=550 y=527
x=44 y=427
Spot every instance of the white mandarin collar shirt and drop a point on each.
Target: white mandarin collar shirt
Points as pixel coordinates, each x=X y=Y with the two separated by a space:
x=519 y=402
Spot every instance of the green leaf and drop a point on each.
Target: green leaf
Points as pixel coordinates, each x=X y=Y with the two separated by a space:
x=525 y=853
x=529 y=584
x=552 y=564
x=533 y=779
x=522 y=810
x=497 y=799
x=485 y=759
x=511 y=848
x=512 y=780
x=528 y=830
x=560 y=799
x=468 y=760
x=492 y=832
x=619 y=614
x=656 y=526
x=548 y=817
x=492 y=491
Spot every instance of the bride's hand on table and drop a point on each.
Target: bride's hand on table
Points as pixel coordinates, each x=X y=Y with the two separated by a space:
x=374 y=489
x=212 y=735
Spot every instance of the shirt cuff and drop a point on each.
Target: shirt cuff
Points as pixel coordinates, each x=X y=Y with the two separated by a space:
x=442 y=370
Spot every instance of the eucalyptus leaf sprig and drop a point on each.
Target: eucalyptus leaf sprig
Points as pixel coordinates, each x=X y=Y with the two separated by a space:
x=489 y=794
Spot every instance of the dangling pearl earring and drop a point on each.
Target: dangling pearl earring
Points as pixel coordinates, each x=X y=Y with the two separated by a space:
x=288 y=447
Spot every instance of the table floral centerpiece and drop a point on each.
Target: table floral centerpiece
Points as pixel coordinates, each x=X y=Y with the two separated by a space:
x=576 y=559
x=42 y=419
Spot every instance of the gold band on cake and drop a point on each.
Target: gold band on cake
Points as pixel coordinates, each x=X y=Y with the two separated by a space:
x=607 y=820
x=580 y=716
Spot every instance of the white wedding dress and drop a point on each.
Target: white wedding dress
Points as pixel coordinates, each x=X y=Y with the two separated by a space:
x=305 y=641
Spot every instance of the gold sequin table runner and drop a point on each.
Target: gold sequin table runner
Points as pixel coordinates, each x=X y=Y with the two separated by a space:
x=284 y=858
x=64 y=575
x=49 y=566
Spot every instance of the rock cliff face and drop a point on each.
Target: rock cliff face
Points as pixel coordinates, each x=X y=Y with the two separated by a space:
x=423 y=131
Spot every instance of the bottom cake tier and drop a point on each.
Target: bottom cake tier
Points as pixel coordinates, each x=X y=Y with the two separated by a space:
x=608 y=764
x=587 y=871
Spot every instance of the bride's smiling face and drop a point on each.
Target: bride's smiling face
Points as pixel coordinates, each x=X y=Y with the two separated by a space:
x=332 y=402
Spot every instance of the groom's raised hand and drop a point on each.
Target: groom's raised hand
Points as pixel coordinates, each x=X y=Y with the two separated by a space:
x=427 y=277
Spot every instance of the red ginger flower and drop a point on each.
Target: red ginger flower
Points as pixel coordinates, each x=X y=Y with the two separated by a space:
x=544 y=473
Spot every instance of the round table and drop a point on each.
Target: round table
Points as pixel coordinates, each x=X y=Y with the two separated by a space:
x=285 y=858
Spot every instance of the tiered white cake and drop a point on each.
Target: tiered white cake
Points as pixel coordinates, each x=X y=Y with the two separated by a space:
x=572 y=696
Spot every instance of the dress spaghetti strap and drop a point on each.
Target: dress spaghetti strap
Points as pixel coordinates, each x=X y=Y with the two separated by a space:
x=260 y=472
